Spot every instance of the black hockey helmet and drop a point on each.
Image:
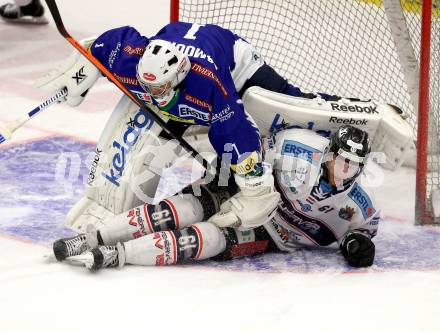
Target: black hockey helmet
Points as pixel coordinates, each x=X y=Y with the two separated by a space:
x=350 y=143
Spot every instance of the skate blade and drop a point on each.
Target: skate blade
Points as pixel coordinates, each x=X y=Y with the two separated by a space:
x=86 y=260
x=27 y=20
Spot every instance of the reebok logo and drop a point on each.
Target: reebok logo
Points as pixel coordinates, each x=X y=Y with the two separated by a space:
x=350 y=121
x=354 y=108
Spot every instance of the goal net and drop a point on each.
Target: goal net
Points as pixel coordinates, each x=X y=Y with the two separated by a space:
x=353 y=48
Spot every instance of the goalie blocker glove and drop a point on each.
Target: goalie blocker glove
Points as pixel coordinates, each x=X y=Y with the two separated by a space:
x=358 y=249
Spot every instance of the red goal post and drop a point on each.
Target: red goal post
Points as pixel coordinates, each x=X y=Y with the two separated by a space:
x=378 y=49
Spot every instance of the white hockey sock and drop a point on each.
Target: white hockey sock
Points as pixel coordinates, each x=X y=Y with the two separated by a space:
x=174 y=213
x=200 y=241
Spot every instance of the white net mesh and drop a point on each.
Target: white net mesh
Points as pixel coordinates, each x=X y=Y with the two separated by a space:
x=342 y=47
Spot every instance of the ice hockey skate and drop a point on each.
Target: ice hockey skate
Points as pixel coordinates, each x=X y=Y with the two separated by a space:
x=76 y=245
x=101 y=257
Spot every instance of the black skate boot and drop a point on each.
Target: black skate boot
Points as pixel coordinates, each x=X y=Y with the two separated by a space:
x=101 y=257
x=31 y=13
x=76 y=245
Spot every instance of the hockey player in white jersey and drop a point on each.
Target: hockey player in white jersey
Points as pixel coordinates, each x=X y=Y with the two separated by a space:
x=322 y=202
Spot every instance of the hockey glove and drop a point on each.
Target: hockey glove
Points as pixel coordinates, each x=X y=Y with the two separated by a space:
x=358 y=249
x=254 y=204
x=76 y=73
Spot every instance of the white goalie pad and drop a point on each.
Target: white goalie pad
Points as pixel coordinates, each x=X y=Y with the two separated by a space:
x=129 y=165
x=390 y=133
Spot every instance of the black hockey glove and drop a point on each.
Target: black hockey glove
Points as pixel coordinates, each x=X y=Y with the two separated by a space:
x=358 y=250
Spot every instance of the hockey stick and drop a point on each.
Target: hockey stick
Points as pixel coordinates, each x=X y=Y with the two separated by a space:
x=6 y=132
x=53 y=8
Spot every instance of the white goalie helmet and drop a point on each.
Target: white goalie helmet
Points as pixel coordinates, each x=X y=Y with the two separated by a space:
x=161 y=68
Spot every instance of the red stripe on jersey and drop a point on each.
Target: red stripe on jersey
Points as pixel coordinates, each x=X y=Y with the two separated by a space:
x=149 y=224
x=199 y=234
x=175 y=215
x=173 y=237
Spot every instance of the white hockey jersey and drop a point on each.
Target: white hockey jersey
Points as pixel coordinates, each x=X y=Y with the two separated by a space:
x=311 y=212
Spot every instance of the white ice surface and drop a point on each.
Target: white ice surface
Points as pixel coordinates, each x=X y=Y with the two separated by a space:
x=39 y=295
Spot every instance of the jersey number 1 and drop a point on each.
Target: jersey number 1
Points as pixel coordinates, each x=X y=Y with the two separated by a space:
x=191 y=34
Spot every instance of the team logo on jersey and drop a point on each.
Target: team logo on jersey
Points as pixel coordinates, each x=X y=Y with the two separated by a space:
x=346 y=213
x=302 y=151
x=186 y=111
x=149 y=76
x=361 y=198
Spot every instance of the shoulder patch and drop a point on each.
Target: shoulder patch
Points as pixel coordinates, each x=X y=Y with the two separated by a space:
x=361 y=198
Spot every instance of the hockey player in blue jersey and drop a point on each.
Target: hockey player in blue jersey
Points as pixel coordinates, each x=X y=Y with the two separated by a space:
x=195 y=75
x=323 y=201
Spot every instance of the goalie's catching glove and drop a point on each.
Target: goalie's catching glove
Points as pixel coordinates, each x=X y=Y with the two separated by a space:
x=358 y=249
x=254 y=204
x=76 y=73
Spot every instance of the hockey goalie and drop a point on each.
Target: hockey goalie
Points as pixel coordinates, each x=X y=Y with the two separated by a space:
x=205 y=76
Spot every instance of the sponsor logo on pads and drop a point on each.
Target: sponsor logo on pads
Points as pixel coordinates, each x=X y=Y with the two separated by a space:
x=354 y=108
x=350 y=121
x=140 y=123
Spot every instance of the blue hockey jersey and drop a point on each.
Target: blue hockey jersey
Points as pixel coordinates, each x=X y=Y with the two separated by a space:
x=207 y=96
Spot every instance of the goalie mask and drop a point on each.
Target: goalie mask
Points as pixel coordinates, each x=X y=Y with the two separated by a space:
x=161 y=68
x=347 y=154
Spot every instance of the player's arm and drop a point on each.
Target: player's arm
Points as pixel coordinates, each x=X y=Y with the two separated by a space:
x=236 y=139
x=78 y=74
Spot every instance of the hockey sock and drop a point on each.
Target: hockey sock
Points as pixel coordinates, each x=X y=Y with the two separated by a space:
x=200 y=241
